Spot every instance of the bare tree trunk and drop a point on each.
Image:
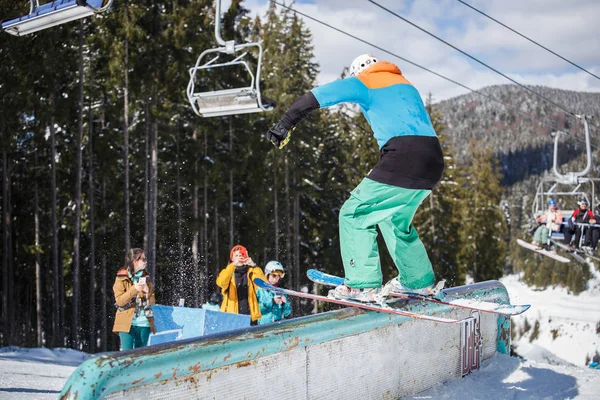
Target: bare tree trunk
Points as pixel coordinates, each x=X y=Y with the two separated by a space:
x=275 y=210
x=38 y=264
x=198 y=279
x=296 y=276
x=202 y=266
x=103 y=294
x=231 y=236
x=152 y=266
x=92 y=276
x=180 y=260
x=126 y=139
x=147 y=178
x=288 y=218
x=7 y=270
x=61 y=295
x=56 y=331
x=217 y=235
x=77 y=213
x=205 y=212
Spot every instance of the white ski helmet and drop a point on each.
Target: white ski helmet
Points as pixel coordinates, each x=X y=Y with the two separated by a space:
x=361 y=63
x=274 y=266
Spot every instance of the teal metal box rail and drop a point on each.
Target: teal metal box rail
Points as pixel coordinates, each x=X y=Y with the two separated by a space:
x=407 y=356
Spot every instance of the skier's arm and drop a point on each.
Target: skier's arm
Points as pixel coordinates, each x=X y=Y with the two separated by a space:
x=349 y=90
x=225 y=277
x=590 y=214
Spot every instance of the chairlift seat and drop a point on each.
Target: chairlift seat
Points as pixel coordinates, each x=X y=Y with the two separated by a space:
x=230 y=101
x=227 y=102
x=52 y=14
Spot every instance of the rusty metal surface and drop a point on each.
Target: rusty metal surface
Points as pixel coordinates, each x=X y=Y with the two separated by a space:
x=193 y=365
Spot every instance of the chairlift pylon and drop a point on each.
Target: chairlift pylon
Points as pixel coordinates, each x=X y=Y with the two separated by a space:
x=577 y=180
x=53 y=13
x=232 y=101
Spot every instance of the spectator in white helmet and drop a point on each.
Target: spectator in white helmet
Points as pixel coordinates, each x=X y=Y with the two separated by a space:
x=273 y=306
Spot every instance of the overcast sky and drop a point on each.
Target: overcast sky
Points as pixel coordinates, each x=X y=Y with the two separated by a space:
x=569 y=27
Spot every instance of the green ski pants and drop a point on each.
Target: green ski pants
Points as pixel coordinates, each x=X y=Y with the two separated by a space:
x=136 y=337
x=391 y=208
x=541 y=234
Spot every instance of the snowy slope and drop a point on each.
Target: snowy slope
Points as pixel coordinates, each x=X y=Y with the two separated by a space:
x=510 y=378
x=36 y=373
x=568 y=324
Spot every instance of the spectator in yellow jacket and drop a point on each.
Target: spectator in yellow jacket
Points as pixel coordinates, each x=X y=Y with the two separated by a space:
x=237 y=284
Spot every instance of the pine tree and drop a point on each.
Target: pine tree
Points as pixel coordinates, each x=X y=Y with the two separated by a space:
x=439 y=219
x=483 y=229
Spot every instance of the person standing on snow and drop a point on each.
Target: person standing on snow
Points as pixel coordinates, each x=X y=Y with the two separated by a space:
x=410 y=166
x=134 y=298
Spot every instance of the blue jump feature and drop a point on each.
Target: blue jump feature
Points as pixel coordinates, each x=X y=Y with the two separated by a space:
x=177 y=323
x=114 y=372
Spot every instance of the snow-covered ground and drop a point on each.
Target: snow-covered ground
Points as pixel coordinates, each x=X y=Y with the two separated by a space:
x=569 y=325
x=554 y=367
x=36 y=373
x=509 y=378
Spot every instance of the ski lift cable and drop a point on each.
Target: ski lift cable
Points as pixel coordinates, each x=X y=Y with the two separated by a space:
x=529 y=116
x=531 y=40
x=476 y=59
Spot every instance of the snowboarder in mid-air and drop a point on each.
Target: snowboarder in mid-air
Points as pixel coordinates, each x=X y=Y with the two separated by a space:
x=410 y=166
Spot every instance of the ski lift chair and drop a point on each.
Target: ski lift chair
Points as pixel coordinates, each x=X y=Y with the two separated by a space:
x=53 y=13
x=574 y=179
x=240 y=100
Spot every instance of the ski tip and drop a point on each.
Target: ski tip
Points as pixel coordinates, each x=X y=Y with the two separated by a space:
x=524 y=307
x=513 y=309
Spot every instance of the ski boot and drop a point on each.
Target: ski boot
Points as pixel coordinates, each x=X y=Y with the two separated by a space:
x=435 y=291
x=363 y=295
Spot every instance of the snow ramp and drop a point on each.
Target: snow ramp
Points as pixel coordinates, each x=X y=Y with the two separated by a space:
x=336 y=354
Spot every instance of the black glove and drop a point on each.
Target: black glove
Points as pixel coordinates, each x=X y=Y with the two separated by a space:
x=279 y=135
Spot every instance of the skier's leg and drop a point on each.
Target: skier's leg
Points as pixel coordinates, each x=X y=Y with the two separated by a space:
x=544 y=238
x=568 y=235
x=595 y=237
x=358 y=238
x=403 y=243
x=578 y=230
x=538 y=236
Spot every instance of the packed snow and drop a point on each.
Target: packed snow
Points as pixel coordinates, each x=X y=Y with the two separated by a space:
x=36 y=373
x=569 y=325
x=554 y=364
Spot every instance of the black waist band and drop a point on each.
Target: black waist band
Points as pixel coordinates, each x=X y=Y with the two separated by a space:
x=412 y=162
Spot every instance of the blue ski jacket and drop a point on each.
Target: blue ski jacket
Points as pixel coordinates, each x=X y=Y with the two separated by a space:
x=411 y=154
x=270 y=310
